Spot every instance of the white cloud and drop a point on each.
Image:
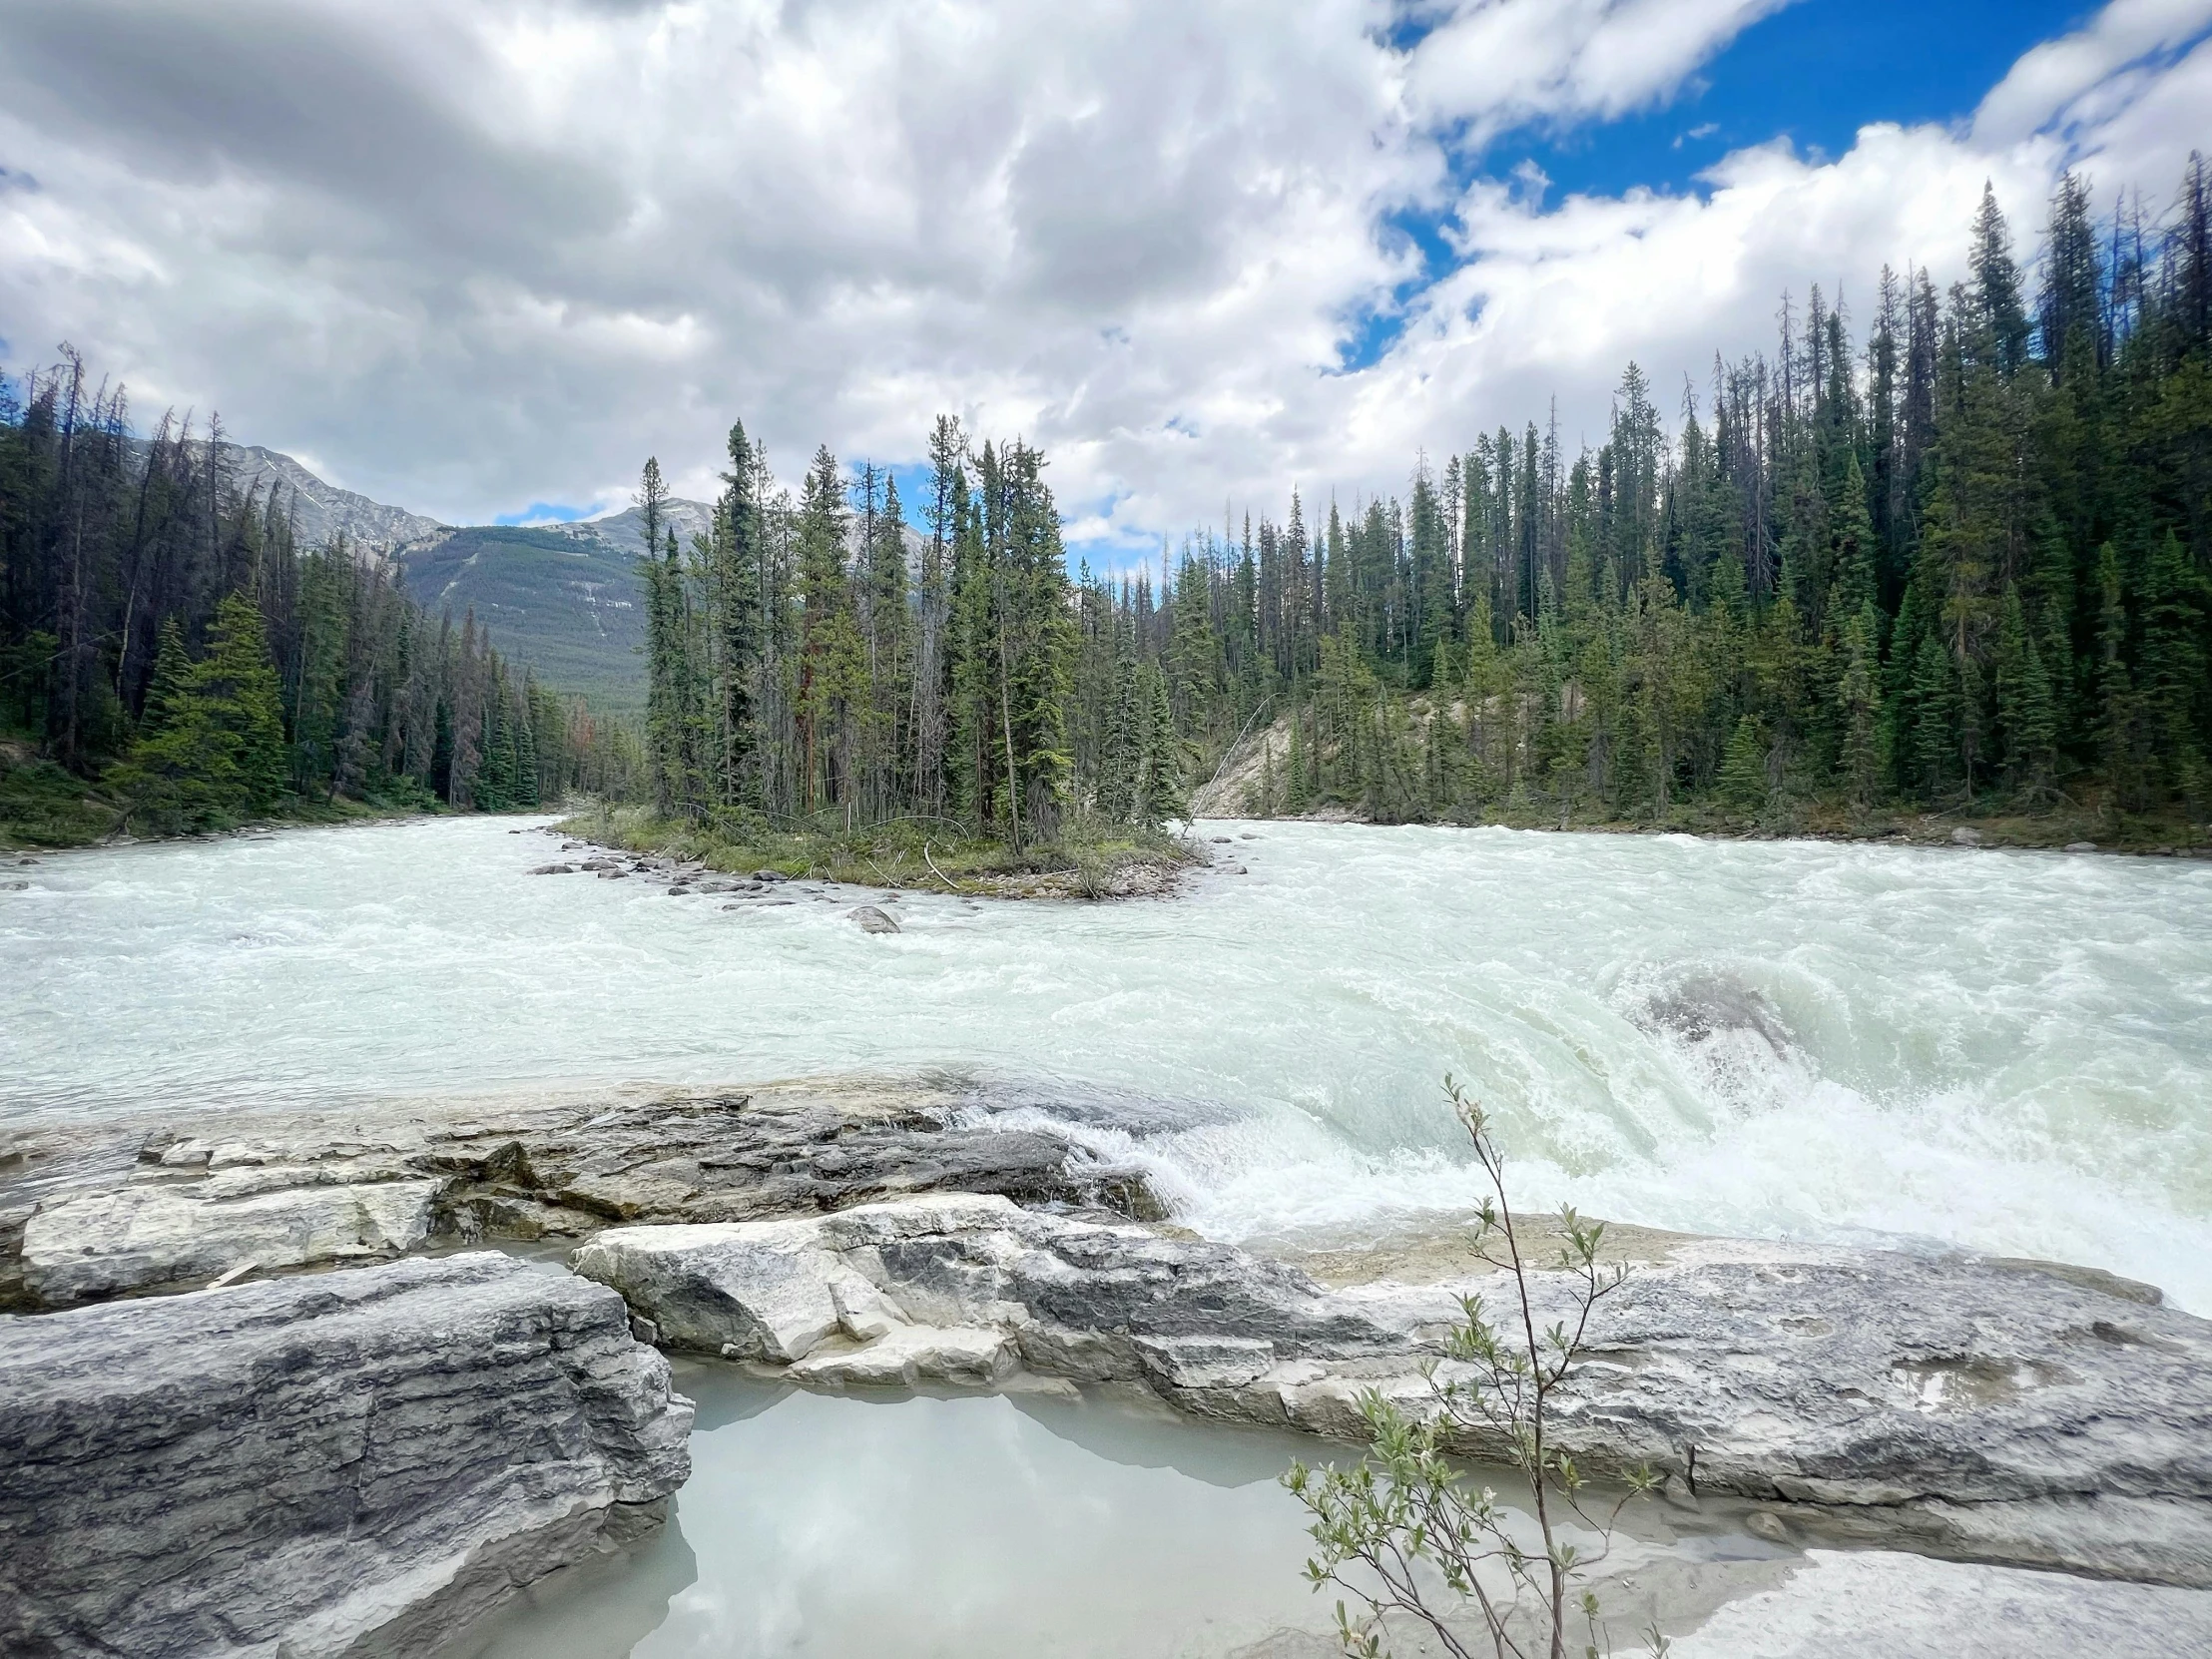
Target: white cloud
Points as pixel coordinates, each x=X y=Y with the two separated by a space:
x=1498 y=64
x=2061 y=77
x=480 y=254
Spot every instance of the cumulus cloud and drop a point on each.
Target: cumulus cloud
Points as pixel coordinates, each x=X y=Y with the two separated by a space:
x=478 y=254
x=1494 y=64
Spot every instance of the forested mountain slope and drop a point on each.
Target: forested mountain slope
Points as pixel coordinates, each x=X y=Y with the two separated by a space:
x=174 y=657
x=567 y=598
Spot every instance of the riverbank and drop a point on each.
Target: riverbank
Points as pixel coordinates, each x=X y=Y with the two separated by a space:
x=2018 y=1414
x=1252 y=782
x=911 y=855
x=45 y=808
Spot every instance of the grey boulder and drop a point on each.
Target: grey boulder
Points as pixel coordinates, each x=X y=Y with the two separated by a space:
x=360 y=1462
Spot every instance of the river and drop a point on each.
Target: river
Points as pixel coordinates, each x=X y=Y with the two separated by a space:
x=2008 y=1052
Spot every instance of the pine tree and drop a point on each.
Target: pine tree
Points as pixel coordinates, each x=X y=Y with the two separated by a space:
x=238 y=685
x=1996 y=287
x=1743 y=775
x=1860 y=692
x=2115 y=722
x=1162 y=764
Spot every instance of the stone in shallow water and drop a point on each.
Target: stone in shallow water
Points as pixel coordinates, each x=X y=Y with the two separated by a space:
x=358 y=1462
x=910 y=1353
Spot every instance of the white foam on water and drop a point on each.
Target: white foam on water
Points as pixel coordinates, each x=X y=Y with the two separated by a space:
x=1997 y=1051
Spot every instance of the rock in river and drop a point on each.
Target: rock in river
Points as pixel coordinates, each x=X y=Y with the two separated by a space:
x=1969 y=1407
x=267 y=1191
x=873 y=920
x=358 y=1463
x=82 y=1249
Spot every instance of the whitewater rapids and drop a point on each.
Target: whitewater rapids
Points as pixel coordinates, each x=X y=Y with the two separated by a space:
x=2007 y=1052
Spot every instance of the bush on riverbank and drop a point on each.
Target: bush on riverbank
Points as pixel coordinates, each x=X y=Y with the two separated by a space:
x=1086 y=859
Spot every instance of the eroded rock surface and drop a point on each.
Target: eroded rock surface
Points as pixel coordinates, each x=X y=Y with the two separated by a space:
x=272 y=1193
x=83 y=1249
x=1966 y=1407
x=356 y=1462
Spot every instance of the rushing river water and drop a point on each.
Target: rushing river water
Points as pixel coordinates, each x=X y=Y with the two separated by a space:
x=2011 y=1052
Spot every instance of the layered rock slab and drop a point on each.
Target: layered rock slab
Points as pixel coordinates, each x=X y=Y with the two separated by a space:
x=83 y=1249
x=358 y=1462
x=1974 y=1408
x=267 y=1191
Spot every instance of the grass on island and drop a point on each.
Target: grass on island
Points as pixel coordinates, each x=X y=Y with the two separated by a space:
x=936 y=854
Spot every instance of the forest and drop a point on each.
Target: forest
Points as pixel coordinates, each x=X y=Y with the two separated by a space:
x=171 y=660
x=1959 y=566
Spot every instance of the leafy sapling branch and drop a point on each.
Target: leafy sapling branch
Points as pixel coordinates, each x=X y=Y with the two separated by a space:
x=1408 y=1535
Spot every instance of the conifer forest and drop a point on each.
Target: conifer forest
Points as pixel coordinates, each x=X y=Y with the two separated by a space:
x=1959 y=560
x=163 y=633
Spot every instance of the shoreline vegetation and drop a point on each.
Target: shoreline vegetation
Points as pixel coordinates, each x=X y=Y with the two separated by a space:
x=175 y=659
x=1255 y=783
x=927 y=855
x=1956 y=573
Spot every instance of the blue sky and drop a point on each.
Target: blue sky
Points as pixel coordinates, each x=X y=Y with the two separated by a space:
x=1812 y=74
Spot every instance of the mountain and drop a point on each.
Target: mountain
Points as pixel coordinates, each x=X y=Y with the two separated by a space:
x=564 y=598
x=324 y=510
x=570 y=606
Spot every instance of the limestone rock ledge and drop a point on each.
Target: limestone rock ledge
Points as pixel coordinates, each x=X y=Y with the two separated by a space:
x=358 y=1463
x=267 y=1191
x=1966 y=1407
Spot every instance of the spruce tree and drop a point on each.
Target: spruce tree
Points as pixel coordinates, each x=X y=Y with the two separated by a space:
x=238 y=684
x=1162 y=767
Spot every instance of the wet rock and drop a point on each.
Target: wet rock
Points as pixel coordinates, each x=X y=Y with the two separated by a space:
x=554 y=870
x=912 y=1354
x=1705 y=1006
x=144 y=1237
x=356 y=1462
x=873 y=920
x=147 y=1210
x=1948 y=1403
x=769 y=875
